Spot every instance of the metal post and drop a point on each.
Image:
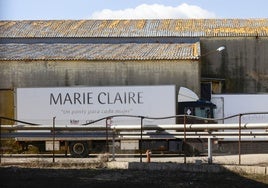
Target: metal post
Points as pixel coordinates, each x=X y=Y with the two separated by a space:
x=209 y=151
x=66 y=148
x=1 y=140
x=184 y=139
x=107 y=145
x=141 y=139
x=54 y=139
x=239 y=140
x=113 y=159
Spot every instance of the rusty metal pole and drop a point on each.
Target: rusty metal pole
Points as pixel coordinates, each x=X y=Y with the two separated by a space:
x=148 y=155
x=239 y=140
x=184 y=139
x=113 y=159
x=141 y=139
x=66 y=148
x=54 y=139
x=1 y=140
x=107 y=146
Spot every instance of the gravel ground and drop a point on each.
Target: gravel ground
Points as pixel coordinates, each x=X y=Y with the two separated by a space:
x=71 y=172
x=12 y=177
x=250 y=159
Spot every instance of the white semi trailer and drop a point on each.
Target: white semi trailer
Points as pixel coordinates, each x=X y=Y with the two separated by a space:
x=232 y=104
x=77 y=106
x=80 y=106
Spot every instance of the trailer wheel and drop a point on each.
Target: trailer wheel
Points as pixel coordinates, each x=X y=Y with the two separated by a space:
x=79 y=149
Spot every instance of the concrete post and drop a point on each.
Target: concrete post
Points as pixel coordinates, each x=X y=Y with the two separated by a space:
x=209 y=151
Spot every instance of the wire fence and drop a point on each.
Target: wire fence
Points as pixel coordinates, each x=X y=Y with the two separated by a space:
x=210 y=139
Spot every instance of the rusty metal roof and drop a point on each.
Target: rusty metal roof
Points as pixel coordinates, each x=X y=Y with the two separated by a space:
x=135 y=28
x=127 y=51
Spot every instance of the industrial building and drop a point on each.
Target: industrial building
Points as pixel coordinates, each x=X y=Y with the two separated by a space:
x=180 y=52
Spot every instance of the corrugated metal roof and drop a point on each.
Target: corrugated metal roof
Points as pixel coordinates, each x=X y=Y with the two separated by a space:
x=135 y=28
x=127 y=51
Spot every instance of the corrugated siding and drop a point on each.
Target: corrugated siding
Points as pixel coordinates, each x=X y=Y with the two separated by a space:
x=135 y=28
x=128 y=51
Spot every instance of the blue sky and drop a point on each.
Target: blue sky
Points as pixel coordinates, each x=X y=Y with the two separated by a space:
x=130 y=9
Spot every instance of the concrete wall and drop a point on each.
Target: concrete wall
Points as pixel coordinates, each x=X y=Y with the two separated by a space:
x=243 y=65
x=99 y=73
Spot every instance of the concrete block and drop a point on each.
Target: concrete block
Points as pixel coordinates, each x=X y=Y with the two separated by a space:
x=247 y=169
x=188 y=167
x=118 y=165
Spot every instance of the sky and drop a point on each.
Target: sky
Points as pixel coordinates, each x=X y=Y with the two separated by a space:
x=130 y=9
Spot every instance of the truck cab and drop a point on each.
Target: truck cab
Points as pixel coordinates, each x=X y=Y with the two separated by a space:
x=199 y=108
x=190 y=104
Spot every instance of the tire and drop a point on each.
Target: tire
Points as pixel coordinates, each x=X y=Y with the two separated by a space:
x=79 y=149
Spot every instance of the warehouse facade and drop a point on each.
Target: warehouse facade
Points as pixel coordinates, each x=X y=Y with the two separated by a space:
x=241 y=68
x=134 y=52
x=55 y=65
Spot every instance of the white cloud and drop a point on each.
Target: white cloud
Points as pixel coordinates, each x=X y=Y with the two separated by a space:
x=155 y=11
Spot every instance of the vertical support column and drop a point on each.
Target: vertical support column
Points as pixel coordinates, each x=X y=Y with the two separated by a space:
x=141 y=138
x=209 y=151
x=239 y=141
